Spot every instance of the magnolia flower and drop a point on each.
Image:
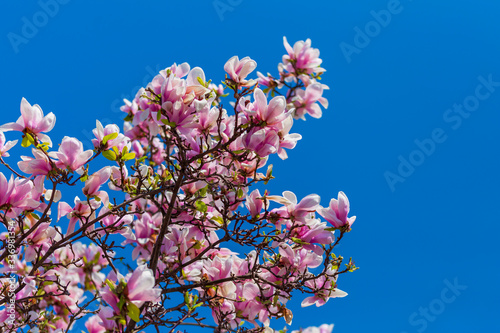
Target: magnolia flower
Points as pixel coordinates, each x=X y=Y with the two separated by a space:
x=94 y=182
x=337 y=212
x=287 y=140
x=139 y=288
x=302 y=57
x=71 y=154
x=105 y=313
x=40 y=238
x=17 y=194
x=93 y=325
x=195 y=88
x=5 y=146
x=254 y=203
x=272 y=114
x=262 y=141
x=299 y=210
x=324 y=288
x=101 y=132
x=82 y=212
x=40 y=165
x=238 y=70
x=33 y=121
x=305 y=101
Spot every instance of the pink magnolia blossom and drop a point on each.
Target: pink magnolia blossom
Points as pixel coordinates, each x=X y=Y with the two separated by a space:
x=299 y=259
x=306 y=206
x=262 y=141
x=94 y=182
x=104 y=314
x=254 y=203
x=71 y=154
x=302 y=58
x=40 y=239
x=16 y=195
x=5 y=146
x=81 y=212
x=139 y=288
x=310 y=232
x=324 y=287
x=337 y=212
x=32 y=121
x=194 y=87
x=100 y=132
x=272 y=114
x=93 y=325
x=40 y=165
x=287 y=140
x=207 y=120
x=268 y=81
x=144 y=237
x=238 y=69
x=305 y=101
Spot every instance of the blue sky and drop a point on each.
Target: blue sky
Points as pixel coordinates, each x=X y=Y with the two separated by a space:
x=415 y=86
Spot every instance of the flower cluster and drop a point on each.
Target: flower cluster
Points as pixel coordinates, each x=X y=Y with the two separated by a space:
x=194 y=220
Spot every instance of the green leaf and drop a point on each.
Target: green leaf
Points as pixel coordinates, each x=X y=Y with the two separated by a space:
x=240 y=193
x=237 y=152
x=25 y=143
x=201 y=206
x=43 y=145
x=299 y=241
x=128 y=156
x=218 y=219
x=197 y=305
x=111 y=285
x=108 y=137
x=109 y=154
x=121 y=303
x=30 y=138
x=203 y=191
x=84 y=178
x=169 y=123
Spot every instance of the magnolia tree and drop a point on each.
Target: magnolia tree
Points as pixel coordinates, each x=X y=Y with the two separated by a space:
x=176 y=230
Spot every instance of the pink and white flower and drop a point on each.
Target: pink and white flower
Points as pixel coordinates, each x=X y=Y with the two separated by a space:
x=5 y=146
x=238 y=70
x=337 y=212
x=32 y=121
x=71 y=155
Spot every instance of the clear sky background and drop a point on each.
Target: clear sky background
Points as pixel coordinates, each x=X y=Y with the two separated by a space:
x=394 y=83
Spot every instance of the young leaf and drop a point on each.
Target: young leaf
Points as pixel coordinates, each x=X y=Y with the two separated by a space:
x=133 y=312
x=201 y=206
x=128 y=156
x=25 y=143
x=108 y=137
x=109 y=154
